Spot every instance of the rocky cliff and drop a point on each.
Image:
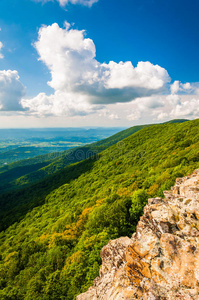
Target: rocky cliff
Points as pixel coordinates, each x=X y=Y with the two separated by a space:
x=161 y=260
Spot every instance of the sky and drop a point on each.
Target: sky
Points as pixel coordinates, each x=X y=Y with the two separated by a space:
x=72 y=63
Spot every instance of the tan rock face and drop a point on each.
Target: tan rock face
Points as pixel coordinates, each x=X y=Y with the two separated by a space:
x=161 y=260
x=113 y=279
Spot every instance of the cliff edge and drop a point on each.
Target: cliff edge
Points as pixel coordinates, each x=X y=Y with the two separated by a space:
x=161 y=260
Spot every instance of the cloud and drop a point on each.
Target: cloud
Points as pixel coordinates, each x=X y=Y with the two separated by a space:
x=166 y=107
x=187 y=88
x=152 y=103
x=1 y=46
x=63 y=3
x=70 y=57
x=60 y=103
x=11 y=91
x=114 y=117
x=173 y=100
x=162 y=116
x=88 y=3
x=134 y=115
x=84 y=83
x=108 y=114
x=181 y=106
x=181 y=103
x=144 y=105
x=144 y=76
x=187 y=108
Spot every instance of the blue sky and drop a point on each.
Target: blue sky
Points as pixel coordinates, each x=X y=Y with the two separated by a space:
x=162 y=33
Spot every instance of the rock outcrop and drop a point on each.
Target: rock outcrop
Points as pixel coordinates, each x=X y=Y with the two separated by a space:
x=161 y=260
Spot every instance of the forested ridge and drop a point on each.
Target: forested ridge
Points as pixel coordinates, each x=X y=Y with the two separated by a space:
x=28 y=171
x=25 y=172
x=52 y=251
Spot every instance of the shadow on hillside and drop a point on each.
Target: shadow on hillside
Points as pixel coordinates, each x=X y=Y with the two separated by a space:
x=15 y=205
x=7 y=177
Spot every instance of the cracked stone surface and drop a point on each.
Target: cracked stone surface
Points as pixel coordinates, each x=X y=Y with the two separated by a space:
x=161 y=260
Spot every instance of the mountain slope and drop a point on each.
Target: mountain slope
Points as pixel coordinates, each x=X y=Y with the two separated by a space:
x=53 y=252
x=26 y=172
x=161 y=259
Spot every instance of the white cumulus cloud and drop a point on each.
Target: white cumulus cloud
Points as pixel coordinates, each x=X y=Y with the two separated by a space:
x=11 y=91
x=83 y=82
x=59 y=103
x=169 y=107
x=187 y=108
x=144 y=76
x=184 y=88
x=183 y=102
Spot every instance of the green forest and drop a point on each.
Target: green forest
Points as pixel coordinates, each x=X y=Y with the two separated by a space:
x=25 y=172
x=63 y=211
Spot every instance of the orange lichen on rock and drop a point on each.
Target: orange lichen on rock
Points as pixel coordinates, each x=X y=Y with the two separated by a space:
x=161 y=260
